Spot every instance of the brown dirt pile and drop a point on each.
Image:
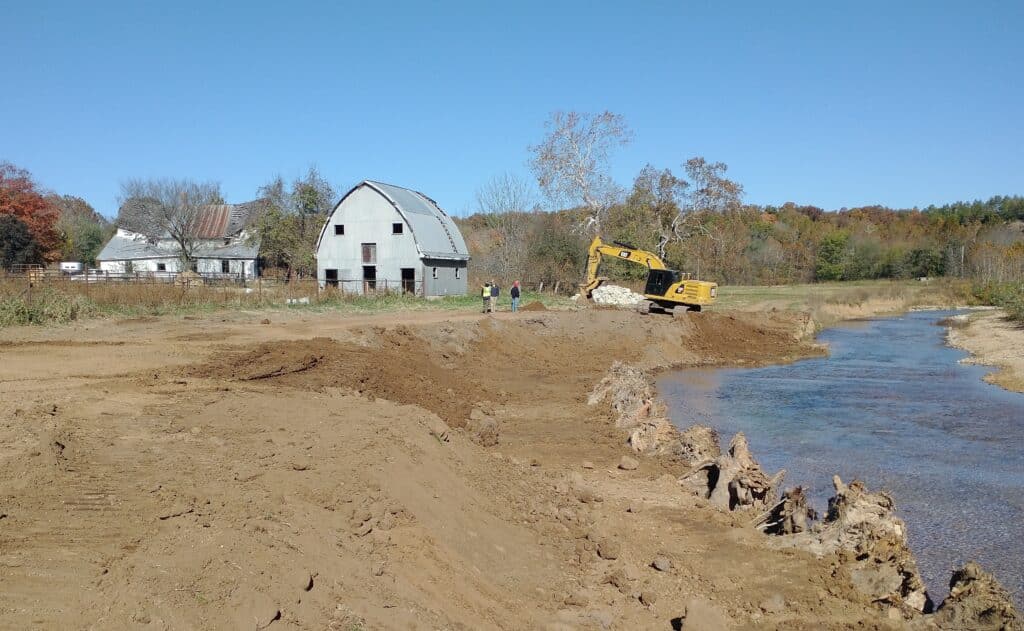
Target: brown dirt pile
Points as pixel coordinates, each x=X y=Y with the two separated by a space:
x=301 y=479
x=399 y=367
x=536 y=305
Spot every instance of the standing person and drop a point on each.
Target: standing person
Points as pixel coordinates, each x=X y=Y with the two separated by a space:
x=494 y=296
x=485 y=293
x=514 y=292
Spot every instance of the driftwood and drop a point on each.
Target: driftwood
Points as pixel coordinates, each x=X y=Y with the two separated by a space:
x=791 y=515
x=862 y=529
x=734 y=480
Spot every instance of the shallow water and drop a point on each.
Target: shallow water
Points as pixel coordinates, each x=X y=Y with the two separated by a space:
x=892 y=407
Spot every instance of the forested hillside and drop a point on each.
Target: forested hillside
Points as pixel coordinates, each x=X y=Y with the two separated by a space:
x=750 y=244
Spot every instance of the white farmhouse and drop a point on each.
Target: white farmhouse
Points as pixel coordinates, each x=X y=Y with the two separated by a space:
x=382 y=236
x=224 y=245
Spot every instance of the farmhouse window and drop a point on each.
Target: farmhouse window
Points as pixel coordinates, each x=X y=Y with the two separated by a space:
x=161 y=267
x=225 y=266
x=339 y=229
x=369 y=253
x=396 y=228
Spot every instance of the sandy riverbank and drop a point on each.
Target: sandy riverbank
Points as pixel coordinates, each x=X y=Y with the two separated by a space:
x=407 y=471
x=992 y=340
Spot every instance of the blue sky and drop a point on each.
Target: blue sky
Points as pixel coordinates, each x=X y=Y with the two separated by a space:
x=833 y=104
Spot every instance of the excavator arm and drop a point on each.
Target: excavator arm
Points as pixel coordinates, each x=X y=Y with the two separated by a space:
x=599 y=249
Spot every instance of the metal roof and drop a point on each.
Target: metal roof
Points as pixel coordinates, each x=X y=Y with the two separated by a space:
x=127 y=245
x=435 y=233
x=215 y=221
x=212 y=221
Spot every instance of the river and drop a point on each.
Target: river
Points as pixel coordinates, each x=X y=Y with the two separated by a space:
x=891 y=406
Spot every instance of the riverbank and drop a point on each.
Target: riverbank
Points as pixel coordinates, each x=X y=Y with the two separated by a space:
x=994 y=340
x=407 y=470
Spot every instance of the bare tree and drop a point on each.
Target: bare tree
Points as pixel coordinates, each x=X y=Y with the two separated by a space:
x=168 y=207
x=504 y=202
x=571 y=163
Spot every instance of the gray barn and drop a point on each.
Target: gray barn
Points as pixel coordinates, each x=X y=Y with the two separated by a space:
x=382 y=236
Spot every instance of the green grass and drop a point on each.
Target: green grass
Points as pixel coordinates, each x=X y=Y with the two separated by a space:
x=1007 y=296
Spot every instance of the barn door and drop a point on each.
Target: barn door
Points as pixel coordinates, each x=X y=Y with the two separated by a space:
x=369 y=279
x=408 y=280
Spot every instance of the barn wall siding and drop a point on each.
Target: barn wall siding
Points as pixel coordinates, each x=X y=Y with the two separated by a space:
x=368 y=217
x=451 y=277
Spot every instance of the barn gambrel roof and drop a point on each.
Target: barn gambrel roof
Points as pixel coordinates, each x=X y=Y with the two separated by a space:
x=436 y=235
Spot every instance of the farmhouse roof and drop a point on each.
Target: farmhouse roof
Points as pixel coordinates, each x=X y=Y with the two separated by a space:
x=216 y=221
x=435 y=233
x=128 y=245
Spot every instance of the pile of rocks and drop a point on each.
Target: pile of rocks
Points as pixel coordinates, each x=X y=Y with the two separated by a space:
x=615 y=296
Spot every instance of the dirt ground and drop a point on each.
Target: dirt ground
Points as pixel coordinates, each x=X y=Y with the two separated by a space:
x=221 y=472
x=993 y=340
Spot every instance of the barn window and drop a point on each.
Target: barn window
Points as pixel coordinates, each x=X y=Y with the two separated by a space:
x=225 y=266
x=457 y=272
x=369 y=253
x=434 y=273
x=396 y=228
x=161 y=267
x=339 y=229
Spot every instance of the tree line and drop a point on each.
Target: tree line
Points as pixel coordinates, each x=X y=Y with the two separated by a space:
x=538 y=229
x=37 y=227
x=696 y=220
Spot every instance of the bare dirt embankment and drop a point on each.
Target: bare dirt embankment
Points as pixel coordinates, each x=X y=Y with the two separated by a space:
x=410 y=471
x=992 y=339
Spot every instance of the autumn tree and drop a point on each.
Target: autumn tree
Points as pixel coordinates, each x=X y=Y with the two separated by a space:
x=20 y=198
x=83 y=231
x=168 y=207
x=572 y=162
x=709 y=197
x=660 y=192
x=289 y=227
x=504 y=203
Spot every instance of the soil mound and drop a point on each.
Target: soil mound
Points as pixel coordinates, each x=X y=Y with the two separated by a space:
x=399 y=369
x=536 y=305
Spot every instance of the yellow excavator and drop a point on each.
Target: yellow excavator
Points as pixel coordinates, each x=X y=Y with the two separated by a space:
x=666 y=290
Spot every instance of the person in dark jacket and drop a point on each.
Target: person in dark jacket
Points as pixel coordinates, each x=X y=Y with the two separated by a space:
x=494 y=296
x=514 y=292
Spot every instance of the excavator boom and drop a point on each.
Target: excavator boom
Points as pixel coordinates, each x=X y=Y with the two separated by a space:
x=599 y=249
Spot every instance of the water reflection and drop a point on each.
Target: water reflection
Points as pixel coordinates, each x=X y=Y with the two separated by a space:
x=892 y=407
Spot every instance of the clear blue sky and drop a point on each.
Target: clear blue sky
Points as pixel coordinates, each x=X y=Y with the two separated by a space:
x=826 y=103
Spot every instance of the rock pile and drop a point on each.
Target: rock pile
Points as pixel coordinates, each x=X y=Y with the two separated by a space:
x=616 y=296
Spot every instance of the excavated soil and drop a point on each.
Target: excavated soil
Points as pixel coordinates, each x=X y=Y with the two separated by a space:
x=314 y=473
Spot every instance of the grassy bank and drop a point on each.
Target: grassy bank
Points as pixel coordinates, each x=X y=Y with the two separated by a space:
x=1007 y=296
x=832 y=302
x=66 y=302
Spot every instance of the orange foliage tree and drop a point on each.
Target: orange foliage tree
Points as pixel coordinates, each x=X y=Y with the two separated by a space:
x=20 y=198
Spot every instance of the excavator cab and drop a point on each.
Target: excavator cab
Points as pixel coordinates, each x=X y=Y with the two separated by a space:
x=659 y=281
